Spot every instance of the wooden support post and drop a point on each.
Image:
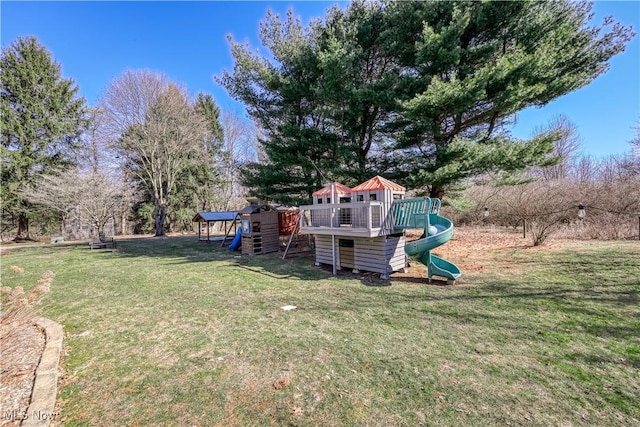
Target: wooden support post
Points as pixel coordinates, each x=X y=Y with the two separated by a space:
x=294 y=231
x=524 y=228
x=333 y=254
x=226 y=234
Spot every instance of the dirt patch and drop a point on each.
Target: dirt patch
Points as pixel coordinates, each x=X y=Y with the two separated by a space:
x=471 y=248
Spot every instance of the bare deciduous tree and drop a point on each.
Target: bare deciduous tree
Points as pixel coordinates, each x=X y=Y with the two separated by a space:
x=96 y=152
x=606 y=188
x=585 y=170
x=633 y=163
x=94 y=197
x=544 y=205
x=566 y=147
x=156 y=132
x=240 y=146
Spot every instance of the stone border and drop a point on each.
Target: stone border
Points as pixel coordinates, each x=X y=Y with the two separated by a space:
x=41 y=410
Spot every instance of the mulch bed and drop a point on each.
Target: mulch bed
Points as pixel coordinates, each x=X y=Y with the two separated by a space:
x=21 y=348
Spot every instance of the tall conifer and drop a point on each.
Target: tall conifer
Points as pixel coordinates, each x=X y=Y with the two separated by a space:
x=42 y=118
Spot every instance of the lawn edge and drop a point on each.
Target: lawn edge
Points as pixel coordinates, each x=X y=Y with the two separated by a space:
x=43 y=398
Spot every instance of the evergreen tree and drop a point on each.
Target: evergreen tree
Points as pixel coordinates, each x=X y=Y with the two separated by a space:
x=206 y=105
x=42 y=119
x=420 y=91
x=321 y=104
x=466 y=68
x=281 y=98
x=355 y=86
x=195 y=186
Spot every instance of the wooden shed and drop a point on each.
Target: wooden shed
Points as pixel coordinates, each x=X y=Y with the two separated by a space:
x=260 y=230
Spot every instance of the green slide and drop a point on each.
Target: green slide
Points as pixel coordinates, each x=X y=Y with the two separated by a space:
x=423 y=213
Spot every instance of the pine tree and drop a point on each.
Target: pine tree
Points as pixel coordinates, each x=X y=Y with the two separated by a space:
x=420 y=91
x=42 y=119
x=467 y=67
x=281 y=97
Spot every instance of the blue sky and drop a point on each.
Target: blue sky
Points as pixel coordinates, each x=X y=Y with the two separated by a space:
x=95 y=42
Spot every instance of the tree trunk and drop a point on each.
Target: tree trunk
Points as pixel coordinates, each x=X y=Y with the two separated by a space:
x=23 y=227
x=160 y=214
x=436 y=192
x=123 y=224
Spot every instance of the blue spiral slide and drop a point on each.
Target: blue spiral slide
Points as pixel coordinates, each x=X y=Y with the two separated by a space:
x=423 y=212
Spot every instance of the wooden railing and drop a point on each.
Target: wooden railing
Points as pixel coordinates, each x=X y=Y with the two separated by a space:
x=363 y=218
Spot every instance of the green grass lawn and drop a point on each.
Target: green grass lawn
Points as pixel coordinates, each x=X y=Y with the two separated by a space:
x=174 y=332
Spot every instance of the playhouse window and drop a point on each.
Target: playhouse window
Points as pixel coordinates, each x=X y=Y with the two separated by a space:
x=398 y=196
x=361 y=197
x=345 y=213
x=373 y=197
x=319 y=200
x=345 y=243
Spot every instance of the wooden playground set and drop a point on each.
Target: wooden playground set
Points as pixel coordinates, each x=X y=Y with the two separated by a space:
x=361 y=228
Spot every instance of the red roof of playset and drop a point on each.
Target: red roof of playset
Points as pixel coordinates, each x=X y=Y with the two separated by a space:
x=337 y=187
x=378 y=183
